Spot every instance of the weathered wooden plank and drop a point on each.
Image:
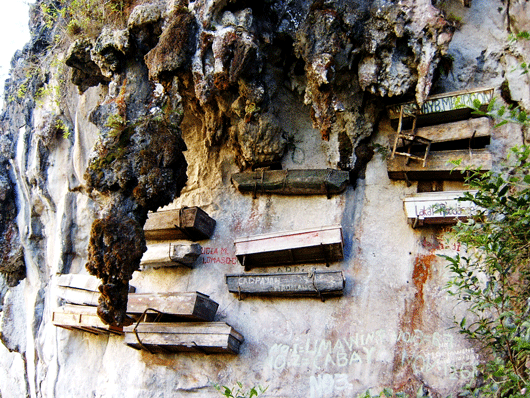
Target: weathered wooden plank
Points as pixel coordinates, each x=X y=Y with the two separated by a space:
x=438 y=165
x=437 y=208
x=315 y=283
x=78 y=281
x=292 y=182
x=445 y=102
x=171 y=255
x=191 y=223
x=216 y=337
x=464 y=129
x=320 y=245
x=78 y=296
x=82 y=318
x=80 y=289
x=182 y=305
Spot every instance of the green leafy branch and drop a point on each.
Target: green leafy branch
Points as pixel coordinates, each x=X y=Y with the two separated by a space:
x=238 y=391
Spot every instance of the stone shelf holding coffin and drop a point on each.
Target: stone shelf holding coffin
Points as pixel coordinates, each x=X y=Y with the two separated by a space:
x=191 y=223
x=296 y=247
x=83 y=318
x=205 y=337
x=171 y=255
x=191 y=306
x=292 y=182
x=313 y=284
x=437 y=208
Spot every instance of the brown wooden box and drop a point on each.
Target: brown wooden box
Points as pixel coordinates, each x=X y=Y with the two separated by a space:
x=191 y=223
x=438 y=166
x=193 y=306
x=315 y=283
x=296 y=247
x=206 y=337
x=83 y=318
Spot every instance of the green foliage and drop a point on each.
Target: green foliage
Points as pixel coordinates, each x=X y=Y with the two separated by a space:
x=238 y=391
x=502 y=113
x=492 y=277
x=382 y=150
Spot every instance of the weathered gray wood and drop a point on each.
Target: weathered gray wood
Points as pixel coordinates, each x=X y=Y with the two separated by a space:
x=78 y=296
x=82 y=318
x=438 y=165
x=464 y=129
x=182 y=305
x=191 y=223
x=214 y=337
x=315 y=283
x=171 y=255
x=292 y=182
x=79 y=281
x=80 y=289
x=445 y=102
x=295 y=247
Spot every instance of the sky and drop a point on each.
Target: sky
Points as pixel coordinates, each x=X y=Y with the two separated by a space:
x=14 y=31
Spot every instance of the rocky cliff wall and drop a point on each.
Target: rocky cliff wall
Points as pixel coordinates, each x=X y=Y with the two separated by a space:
x=157 y=113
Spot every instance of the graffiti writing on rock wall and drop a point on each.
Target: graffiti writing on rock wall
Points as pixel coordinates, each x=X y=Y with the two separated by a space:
x=217 y=255
x=334 y=365
x=440 y=241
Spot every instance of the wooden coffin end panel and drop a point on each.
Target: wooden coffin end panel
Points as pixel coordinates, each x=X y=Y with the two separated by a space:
x=190 y=223
x=192 y=306
x=167 y=337
x=291 y=284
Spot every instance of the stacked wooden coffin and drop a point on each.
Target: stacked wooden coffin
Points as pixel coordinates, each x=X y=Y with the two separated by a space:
x=176 y=322
x=441 y=138
x=163 y=322
x=176 y=228
x=79 y=312
x=324 y=245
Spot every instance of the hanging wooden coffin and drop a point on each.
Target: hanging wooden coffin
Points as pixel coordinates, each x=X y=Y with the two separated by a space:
x=437 y=208
x=80 y=289
x=193 y=306
x=171 y=255
x=84 y=318
x=206 y=337
x=315 y=283
x=442 y=108
x=439 y=166
x=190 y=223
x=292 y=182
x=307 y=246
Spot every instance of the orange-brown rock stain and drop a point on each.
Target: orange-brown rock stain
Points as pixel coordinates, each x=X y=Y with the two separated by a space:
x=405 y=379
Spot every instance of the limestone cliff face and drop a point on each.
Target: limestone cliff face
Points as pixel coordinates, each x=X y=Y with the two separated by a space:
x=158 y=109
